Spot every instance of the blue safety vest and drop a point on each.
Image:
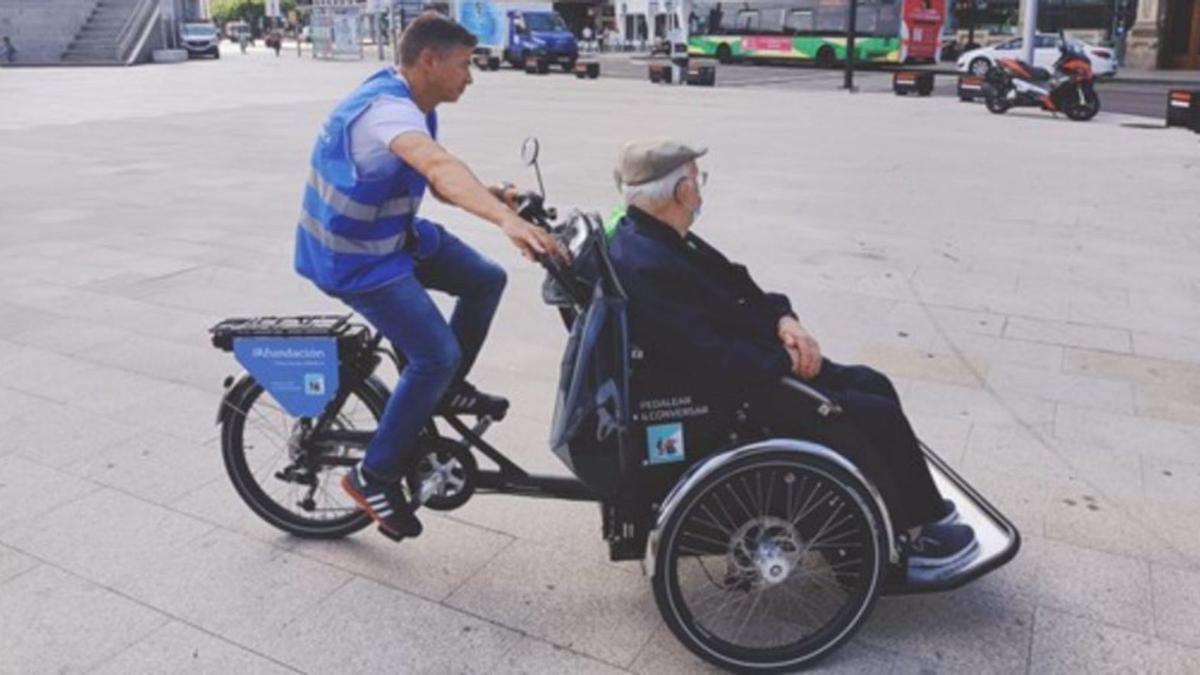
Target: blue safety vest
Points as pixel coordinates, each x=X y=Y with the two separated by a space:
x=357 y=234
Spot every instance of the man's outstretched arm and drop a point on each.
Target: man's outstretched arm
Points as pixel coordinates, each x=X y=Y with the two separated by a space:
x=452 y=181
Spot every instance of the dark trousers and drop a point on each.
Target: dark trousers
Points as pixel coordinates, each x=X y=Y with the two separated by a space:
x=437 y=352
x=872 y=432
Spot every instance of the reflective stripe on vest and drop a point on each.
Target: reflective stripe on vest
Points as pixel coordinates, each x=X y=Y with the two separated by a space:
x=340 y=244
x=399 y=206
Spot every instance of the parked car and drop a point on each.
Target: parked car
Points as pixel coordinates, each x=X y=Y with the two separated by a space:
x=1045 y=53
x=200 y=39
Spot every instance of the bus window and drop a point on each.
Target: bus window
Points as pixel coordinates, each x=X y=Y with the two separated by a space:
x=801 y=22
x=771 y=22
x=747 y=20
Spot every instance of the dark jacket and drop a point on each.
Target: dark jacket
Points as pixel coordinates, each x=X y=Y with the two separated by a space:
x=692 y=310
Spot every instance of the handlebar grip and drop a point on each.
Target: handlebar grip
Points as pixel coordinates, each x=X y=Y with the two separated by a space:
x=561 y=277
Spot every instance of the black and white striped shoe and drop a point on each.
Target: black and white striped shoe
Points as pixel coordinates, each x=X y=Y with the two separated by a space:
x=385 y=504
x=464 y=399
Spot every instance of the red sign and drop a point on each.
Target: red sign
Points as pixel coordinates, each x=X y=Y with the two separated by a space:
x=923 y=27
x=767 y=44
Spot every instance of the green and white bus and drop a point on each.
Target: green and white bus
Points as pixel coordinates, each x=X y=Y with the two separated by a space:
x=886 y=31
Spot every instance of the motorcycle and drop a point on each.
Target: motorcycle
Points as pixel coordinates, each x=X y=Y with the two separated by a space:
x=1069 y=89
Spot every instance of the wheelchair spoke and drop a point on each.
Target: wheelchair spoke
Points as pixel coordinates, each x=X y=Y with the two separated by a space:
x=761 y=566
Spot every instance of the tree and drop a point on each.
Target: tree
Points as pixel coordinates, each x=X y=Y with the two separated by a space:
x=245 y=10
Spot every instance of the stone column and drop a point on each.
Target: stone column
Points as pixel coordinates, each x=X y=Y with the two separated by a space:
x=1142 y=46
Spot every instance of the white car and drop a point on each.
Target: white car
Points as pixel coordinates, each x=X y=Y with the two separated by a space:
x=1045 y=53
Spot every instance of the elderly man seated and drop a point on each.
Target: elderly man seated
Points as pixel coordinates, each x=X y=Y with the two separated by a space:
x=693 y=311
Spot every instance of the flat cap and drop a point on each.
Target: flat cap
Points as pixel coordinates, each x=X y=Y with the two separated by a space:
x=644 y=161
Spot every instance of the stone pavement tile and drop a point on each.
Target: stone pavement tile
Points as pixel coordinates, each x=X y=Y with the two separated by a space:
x=59 y=435
x=964 y=282
x=446 y=555
x=1021 y=498
x=1129 y=367
x=1152 y=438
x=1167 y=346
x=1067 y=644
x=1144 y=314
x=975 y=405
x=926 y=327
x=152 y=465
x=21 y=318
x=1068 y=334
x=552 y=594
x=1173 y=402
x=994 y=350
x=531 y=656
x=1014 y=450
x=28 y=489
x=1176 y=611
x=181 y=649
x=198 y=365
x=13 y=563
x=107 y=536
x=1101 y=586
x=234 y=586
x=1171 y=485
x=1015 y=382
x=569 y=525
x=67 y=336
x=664 y=655
x=1006 y=303
x=108 y=391
x=1018 y=578
x=1074 y=291
x=37 y=372
x=178 y=410
x=53 y=622
x=1092 y=521
x=921 y=364
x=15 y=404
x=217 y=502
x=946 y=435
x=379 y=629
x=963 y=631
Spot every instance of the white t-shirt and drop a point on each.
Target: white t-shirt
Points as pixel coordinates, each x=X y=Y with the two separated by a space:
x=372 y=133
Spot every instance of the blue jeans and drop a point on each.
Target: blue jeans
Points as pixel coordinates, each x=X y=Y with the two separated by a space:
x=438 y=354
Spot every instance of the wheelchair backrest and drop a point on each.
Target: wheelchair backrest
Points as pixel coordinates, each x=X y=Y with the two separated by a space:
x=625 y=426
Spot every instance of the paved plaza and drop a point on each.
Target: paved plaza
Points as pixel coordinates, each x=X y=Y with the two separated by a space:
x=1031 y=284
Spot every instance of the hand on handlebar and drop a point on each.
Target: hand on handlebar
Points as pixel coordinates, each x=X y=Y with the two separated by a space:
x=533 y=242
x=507 y=193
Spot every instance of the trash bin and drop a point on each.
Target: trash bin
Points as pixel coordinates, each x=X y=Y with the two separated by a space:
x=701 y=74
x=1183 y=107
x=659 y=73
x=905 y=82
x=969 y=87
x=587 y=69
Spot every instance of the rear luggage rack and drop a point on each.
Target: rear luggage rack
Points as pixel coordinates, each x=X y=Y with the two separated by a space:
x=313 y=325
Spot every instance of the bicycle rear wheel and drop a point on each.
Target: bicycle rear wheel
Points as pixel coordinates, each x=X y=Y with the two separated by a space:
x=280 y=482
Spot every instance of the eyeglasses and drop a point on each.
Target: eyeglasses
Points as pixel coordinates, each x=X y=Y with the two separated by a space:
x=701 y=178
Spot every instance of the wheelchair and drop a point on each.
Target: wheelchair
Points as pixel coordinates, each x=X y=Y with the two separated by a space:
x=765 y=553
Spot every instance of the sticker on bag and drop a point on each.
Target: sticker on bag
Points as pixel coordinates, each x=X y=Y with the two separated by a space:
x=301 y=374
x=664 y=443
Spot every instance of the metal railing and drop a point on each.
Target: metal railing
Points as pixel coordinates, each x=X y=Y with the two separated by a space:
x=134 y=27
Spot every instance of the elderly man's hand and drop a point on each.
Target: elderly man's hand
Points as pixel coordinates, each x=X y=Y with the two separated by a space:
x=801 y=346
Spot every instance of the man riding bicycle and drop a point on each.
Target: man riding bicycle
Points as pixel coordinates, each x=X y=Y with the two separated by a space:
x=360 y=240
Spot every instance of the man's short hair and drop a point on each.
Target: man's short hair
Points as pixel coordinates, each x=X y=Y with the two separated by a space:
x=432 y=31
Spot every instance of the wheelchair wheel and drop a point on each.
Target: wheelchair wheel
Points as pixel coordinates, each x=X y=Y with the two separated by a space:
x=770 y=563
x=273 y=477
